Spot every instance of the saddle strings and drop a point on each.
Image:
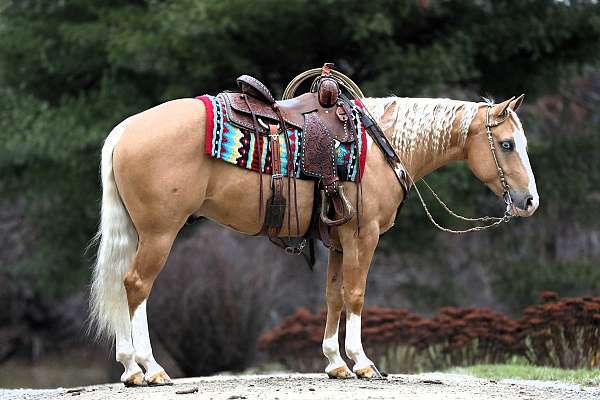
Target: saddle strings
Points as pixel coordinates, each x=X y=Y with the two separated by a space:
x=291 y=170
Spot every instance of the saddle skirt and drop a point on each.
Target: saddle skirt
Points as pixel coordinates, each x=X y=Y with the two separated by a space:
x=229 y=136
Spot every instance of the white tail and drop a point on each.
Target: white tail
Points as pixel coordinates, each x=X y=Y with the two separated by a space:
x=118 y=242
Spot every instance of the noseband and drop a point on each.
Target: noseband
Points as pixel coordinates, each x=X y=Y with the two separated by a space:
x=489 y=124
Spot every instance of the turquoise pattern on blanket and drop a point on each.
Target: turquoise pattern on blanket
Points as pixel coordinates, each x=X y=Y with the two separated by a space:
x=240 y=146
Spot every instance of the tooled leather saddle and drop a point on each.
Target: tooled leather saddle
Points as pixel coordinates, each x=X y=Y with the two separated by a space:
x=324 y=115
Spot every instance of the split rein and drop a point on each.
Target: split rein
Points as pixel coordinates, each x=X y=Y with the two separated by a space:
x=490 y=221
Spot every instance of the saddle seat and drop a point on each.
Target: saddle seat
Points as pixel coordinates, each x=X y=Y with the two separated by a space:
x=239 y=106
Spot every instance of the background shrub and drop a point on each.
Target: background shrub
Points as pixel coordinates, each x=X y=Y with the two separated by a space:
x=562 y=333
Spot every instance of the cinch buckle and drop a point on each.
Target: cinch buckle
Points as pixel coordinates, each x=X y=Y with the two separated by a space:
x=275 y=176
x=293 y=251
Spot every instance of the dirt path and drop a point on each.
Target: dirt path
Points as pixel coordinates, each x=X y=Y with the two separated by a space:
x=317 y=386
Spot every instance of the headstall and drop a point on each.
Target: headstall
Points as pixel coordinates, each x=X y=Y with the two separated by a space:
x=489 y=124
x=492 y=221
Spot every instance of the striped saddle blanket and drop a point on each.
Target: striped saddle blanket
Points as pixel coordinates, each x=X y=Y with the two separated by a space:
x=238 y=145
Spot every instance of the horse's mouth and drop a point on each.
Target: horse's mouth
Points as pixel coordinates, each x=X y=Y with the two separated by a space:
x=518 y=212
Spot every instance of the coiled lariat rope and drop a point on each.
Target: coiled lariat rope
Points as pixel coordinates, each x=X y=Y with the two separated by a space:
x=355 y=91
x=347 y=83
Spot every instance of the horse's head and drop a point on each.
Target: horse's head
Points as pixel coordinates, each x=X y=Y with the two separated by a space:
x=503 y=164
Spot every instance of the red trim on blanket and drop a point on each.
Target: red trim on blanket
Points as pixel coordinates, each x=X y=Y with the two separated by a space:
x=363 y=151
x=208 y=107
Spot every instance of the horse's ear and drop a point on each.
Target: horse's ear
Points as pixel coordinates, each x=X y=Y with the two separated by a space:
x=516 y=103
x=500 y=109
x=389 y=107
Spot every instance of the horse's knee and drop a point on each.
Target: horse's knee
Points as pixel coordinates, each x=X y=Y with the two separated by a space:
x=355 y=299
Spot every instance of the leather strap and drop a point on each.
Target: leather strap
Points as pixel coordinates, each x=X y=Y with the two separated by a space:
x=276 y=205
x=390 y=154
x=257 y=140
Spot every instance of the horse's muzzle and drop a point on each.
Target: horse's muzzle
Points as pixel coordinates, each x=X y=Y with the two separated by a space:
x=524 y=204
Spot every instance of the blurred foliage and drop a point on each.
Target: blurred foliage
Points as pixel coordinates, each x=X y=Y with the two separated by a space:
x=563 y=333
x=72 y=69
x=518 y=284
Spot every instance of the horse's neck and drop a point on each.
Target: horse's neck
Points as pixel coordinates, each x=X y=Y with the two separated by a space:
x=425 y=133
x=423 y=160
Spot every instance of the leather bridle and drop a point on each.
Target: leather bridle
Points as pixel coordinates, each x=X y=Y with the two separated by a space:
x=489 y=222
x=489 y=124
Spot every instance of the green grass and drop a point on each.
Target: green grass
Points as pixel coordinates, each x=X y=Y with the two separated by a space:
x=519 y=371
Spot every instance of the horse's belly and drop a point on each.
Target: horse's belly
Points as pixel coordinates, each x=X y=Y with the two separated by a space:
x=233 y=199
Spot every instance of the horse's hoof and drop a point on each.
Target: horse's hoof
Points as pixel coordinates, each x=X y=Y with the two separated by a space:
x=370 y=372
x=341 y=373
x=159 y=379
x=134 y=380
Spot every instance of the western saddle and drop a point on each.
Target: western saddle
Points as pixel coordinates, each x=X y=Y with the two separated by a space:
x=324 y=115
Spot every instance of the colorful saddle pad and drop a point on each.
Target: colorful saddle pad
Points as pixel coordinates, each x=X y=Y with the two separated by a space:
x=239 y=146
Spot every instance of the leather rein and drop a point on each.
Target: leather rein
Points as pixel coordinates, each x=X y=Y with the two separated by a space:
x=491 y=221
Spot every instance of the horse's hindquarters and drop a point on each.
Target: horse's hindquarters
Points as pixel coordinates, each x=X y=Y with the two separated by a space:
x=164 y=176
x=158 y=165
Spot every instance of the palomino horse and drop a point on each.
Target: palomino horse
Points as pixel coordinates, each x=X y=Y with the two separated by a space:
x=155 y=175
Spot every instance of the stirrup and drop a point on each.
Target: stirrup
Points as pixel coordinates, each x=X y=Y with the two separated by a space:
x=347 y=210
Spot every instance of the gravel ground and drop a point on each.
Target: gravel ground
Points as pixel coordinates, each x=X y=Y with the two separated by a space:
x=316 y=386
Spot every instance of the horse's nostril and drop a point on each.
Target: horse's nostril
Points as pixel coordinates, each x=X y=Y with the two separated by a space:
x=528 y=202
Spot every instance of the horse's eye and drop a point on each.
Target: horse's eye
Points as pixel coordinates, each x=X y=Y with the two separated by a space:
x=507 y=145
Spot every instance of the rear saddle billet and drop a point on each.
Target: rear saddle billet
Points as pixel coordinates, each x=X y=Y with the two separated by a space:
x=323 y=116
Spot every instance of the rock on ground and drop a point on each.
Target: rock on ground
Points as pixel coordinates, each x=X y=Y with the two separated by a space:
x=317 y=386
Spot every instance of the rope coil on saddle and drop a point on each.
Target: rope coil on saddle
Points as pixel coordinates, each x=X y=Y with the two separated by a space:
x=348 y=84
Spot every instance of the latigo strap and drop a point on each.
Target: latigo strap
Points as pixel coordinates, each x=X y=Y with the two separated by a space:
x=276 y=205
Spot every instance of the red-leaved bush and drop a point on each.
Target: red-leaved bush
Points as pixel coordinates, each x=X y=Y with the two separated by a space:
x=562 y=332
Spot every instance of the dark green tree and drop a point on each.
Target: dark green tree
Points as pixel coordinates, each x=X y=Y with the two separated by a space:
x=71 y=70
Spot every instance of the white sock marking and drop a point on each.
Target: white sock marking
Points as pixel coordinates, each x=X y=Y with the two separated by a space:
x=354 y=348
x=141 y=342
x=125 y=352
x=331 y=350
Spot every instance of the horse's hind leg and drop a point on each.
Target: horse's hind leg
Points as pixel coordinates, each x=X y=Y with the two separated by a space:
x=150 y=258
x=337 y=367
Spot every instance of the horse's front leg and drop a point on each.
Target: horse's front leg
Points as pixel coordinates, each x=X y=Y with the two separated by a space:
x=358 y=252
x=337 y=367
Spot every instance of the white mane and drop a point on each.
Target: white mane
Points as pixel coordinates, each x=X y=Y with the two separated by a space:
x=419 y=123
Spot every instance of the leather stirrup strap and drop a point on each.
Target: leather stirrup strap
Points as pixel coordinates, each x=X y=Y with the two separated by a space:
x=277 y=201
